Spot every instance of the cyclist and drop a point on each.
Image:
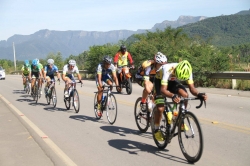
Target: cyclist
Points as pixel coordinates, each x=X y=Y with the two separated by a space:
x=121 y=59
x=102 y=77
x=49 y=70
x=26 y=72
x=145 y=78
x=42 y=70
x=166 y=85
x=36 y=73
x=68 y=77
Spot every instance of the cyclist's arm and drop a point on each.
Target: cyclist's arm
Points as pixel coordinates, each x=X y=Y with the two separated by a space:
x=64 y=73
x=45 y=72
x=116 y=59
x=78 y=74
x=130 y=59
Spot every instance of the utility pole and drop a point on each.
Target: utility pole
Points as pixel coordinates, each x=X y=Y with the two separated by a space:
x=14 y=56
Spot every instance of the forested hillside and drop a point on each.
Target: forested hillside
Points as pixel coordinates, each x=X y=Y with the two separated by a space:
x=221 y=31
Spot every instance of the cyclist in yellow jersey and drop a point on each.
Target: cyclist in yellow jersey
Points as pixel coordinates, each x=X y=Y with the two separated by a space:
x=145 y=78
x=166 y=85
x=42 y=70
x=26 y=72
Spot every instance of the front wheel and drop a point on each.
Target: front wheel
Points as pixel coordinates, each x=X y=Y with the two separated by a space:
x=76 y=101
x=141 y=118
x=161 y=144
x=67 y=101
x=111 y=109
x=190 y=137
x=128 y=86
x=53 y=96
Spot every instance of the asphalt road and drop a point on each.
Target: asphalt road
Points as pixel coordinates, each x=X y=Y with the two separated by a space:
x=66 y=137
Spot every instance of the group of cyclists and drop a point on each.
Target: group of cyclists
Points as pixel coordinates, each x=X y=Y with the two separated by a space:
x=155 y=75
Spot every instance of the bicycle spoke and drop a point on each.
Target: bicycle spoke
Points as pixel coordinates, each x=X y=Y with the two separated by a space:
x=111 y=109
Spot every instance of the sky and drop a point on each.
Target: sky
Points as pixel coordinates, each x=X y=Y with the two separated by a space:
x=25 y=17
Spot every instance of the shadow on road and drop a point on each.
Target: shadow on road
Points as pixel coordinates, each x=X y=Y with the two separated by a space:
x=122 y=131
x=84 y=118
x=18 y=92
x=133 y=147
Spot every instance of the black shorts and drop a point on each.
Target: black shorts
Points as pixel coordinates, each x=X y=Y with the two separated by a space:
x=36 y=74
x=173 y=86
x=139 y=79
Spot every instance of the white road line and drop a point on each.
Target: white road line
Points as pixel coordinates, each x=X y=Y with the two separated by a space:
x=41 y=134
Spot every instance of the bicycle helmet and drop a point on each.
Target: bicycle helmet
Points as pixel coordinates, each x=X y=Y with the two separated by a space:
x=72 y=62
x=160 y=58
x=183 y=70
x=26 y=63
x=34 y=62
x=107 y=59
x=50 y=62
x=123 y=48
x=37 y=60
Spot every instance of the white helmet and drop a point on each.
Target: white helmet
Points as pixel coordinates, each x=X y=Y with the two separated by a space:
x=160 y=58
x=50 y=61
x=72 y=62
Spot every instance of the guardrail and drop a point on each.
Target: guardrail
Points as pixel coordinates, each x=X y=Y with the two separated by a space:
x=221 y=75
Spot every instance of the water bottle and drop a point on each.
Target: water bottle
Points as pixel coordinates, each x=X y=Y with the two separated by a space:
x=169 y=117
x=150 y=106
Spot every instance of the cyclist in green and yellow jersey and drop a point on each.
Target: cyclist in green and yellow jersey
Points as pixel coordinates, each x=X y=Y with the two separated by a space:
x=26 y=72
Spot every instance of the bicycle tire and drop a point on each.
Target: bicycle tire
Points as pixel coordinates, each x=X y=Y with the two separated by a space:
x=111 y=108
x=141 y=118
x=67 y=101
x=53 y=96
x=36 y=93
x=95 y=107
x=75 y=98
x=182 y=134
x=128 y=86
x=163 y=128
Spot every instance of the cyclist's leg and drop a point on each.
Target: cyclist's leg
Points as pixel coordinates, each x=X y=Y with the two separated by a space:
x=24 y=80
x=67 y=82
x=99 y=97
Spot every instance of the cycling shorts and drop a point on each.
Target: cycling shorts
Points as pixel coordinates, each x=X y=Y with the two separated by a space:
x=35 y=74
x=104 y=79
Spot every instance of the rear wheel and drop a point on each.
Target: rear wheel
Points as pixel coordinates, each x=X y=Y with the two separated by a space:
x=190 y=137
x=36 y=93
x=76 y=101
x=95 y=107
x=128 y=86
x=163 y=123
x=111 y=108
x=67 y=102
x=141 y=118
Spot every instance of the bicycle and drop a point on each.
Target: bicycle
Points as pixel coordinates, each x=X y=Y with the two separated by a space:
x=108 y=104
x=27 y=85
x=189 y=129
x=73 y=97
x=142 y=118
x=50 y=93
x=35 y=90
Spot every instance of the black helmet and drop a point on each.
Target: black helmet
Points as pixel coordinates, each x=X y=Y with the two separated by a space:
x=123 y=48
x=107 y=59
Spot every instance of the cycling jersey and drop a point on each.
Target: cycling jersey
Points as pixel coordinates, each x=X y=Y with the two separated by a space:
x=69 y=73
x=122 y=59
x=166 y=73
x=144 y=72
x=40 y=65
x=104 y=72
x=50 y=71
x=35 y=70
x=25 y=70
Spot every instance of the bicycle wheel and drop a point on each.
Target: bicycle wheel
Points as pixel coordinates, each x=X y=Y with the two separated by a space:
x=36 y=93
x=53 y=96
x=111 y=109
x=76 y=101
x=48 y=98
x=190 y=137
x=128 y=86
x=141 y=118
x=95 y=107
x=67 y=102
x=162 y=128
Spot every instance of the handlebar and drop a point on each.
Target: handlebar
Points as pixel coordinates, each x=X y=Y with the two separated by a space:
x=195 y=98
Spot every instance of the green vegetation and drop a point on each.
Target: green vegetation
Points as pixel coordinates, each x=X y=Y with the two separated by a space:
x=204 y=57
x=221 y=31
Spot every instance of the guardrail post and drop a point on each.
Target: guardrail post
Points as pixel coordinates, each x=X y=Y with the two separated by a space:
x=234 y=83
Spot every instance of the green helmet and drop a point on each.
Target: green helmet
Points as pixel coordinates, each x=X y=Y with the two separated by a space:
x=183 y=70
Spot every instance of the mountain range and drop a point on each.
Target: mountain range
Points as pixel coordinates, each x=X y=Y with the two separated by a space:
x=43 y=42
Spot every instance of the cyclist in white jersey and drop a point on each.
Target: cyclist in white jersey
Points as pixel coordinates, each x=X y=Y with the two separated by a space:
x=68 y=75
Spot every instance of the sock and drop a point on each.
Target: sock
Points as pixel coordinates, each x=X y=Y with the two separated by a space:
x=143 y=100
